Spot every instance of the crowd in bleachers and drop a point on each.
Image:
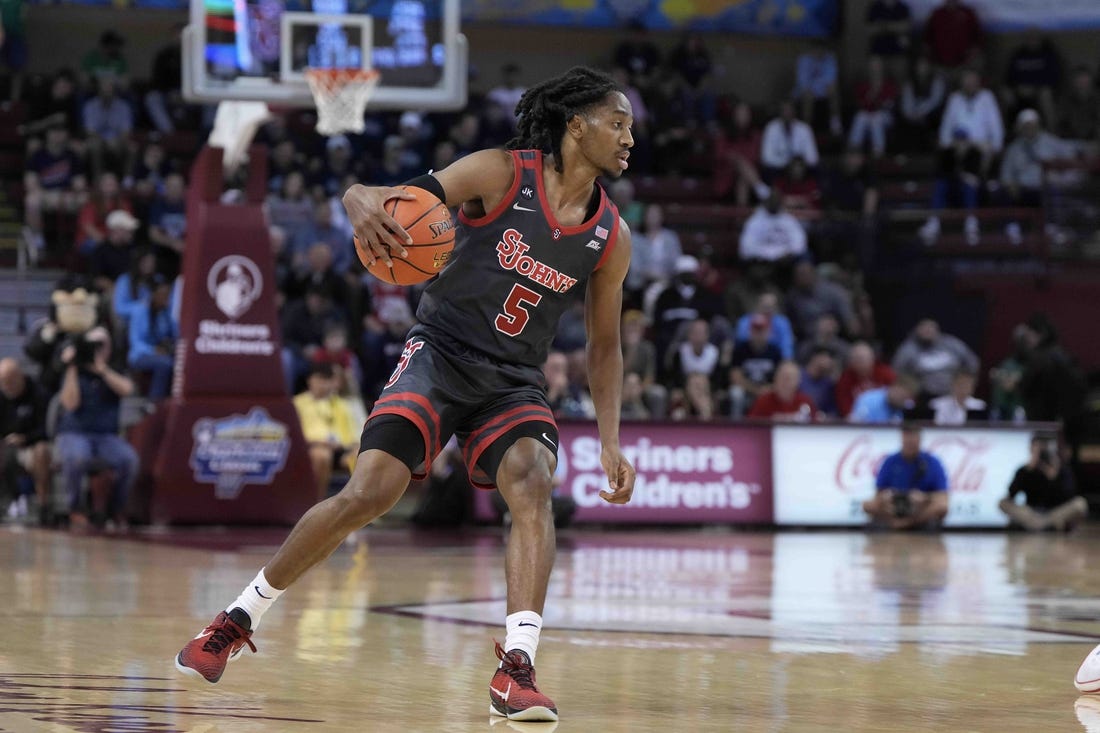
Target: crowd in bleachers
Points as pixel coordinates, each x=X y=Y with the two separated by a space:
x=768 y=320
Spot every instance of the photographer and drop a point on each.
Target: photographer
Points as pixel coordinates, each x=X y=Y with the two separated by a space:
x=1048 y=488
x=911 y=487
x=88 y=426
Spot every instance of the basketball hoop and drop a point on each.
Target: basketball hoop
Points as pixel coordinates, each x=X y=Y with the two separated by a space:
x=341 y=97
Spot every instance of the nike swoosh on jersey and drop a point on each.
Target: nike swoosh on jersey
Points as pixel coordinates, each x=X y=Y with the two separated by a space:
x=517 y=207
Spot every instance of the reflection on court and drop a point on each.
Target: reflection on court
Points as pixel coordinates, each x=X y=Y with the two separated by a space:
x=645 y=631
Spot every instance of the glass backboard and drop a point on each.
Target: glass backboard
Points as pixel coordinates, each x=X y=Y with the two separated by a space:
x=259 y=49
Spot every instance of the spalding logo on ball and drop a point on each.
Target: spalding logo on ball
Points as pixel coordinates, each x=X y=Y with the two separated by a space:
x=428 y=221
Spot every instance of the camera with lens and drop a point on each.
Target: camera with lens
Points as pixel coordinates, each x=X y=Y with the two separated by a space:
x=83 y=349
x=902 y=505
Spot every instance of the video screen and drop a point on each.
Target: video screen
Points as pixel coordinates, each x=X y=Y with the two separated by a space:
x=243 y=39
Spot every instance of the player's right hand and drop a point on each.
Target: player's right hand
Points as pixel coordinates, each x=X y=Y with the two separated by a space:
x=378 y=233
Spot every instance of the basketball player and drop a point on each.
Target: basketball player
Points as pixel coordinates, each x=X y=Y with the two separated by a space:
x=535 y=232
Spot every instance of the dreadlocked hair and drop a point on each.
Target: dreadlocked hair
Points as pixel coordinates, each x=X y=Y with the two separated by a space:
x=545 y=108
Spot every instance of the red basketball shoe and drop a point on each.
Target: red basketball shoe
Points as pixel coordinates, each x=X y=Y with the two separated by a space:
x=513 y=692
x=223 y=640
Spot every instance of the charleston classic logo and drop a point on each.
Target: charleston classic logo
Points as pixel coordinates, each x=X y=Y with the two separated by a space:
x=233 y=451
x=235 y=283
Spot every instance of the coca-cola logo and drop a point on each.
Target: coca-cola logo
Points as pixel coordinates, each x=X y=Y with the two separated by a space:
x=963 y=459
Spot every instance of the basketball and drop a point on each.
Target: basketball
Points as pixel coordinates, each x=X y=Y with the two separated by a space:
x=428 y=221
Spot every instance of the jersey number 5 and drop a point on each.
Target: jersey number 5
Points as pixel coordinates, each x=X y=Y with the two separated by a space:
x=515 y=316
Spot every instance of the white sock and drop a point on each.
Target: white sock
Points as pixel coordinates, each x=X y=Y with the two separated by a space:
x=256 y=598
x=523 y=632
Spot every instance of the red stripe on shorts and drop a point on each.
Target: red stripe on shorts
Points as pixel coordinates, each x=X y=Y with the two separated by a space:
x=476 y=444
x=418 y=421
x=422 y=401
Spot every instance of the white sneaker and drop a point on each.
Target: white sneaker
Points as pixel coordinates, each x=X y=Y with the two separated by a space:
x=1088 y=674
x=1014 y=233
x=930 y=232
x=973 y=232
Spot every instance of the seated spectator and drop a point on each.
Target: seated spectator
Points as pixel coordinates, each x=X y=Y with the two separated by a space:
x=91 y=222
x=339 y=163
x=168 y=220
x=681 y=302
x=1034 y=73
x=875 y=98
x=505 y=97
x=826 y=335
x=953 y=35
x=638 y=55
x=1079 y=108
x=57 y=107
x=88 y=430
x=922 y=98
x=772 y=234
x=1050 y=495
x=284 y=160
x=108 y=122
x=396 y=319
x=332 y=438
x=292 y=208
x=886 y=404
x=633 y=399
x=910 y=489
x=960 y=406
x=694 y=355
x=737 y=157
x=779 y=326
x=24 y=447
x=153 y=335
x=690 y=61
x=53 y=181
x=798 y=188
x=784 y=402
x=697 y=402
x=345 y=364
x=889 y=24
x=863 y=373
x=395 y=168
x=621 y=193
x=654 y=251
x=815 y=88
x=1005 y=401
x=971 y=135
x=111 y=259
x=567 y=398
x=753 y=366
x=819 y=380
x=147 y=175
x=784 y=138
x=465 y=134
x=132 y=288
x=106 y=62
x=322 y=230
x=1022 y=169
x=640 y=360
x=304 y=325
x=810 y=297
x=933 y=357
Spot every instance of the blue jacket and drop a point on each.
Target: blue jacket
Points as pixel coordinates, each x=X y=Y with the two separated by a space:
x=782 y=333
x=924 y=473
x=147 y=333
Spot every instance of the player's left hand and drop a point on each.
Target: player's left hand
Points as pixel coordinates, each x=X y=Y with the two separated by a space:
x=620 y=476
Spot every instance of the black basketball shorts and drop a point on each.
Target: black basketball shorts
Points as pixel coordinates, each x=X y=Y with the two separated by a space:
x=444 y=388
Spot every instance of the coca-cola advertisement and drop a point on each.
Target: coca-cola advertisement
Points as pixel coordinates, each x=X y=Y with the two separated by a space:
x=687 y=474
x=823 y=474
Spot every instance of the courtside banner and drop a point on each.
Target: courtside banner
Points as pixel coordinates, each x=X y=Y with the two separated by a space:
x=686 y=473
x=822 y=474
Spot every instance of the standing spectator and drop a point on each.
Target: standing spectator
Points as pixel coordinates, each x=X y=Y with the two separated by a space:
x=91 y=221
x=1052 y=386
x=922 y=99
x=331 y=437
x=1079 y=108
x=88 y=428
x=567 y=398
x=875 y=96
x=737 y=157
x=815 y=88
x=810 y=297
x=863 y=374
x=971 y=134
x=108 y=122
x=1034 y=74
x=681 y=302
x=779 y=326
x=784 y=138
x=798 y=188
x=934 y=357
x=23 y=443
x=953 y=35
x=1050 y=496
x=890 y=27
x=13 y=43
x=784 y=402
x=826 y=335
x=753 y=366
x=105 y=62
x=640 y=360
x=168 y=222
x=960 y=405
x=53 y=181
x=153 y=335
x=1022 y=169
x=772 y=234
x=886 y=404
x=655 y=250
x=164 y=102
x=819 y=380
x=694 y=355
x=910 y=489
x=111 y=259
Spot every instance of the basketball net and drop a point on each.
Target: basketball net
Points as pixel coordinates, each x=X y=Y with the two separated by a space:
x=235 y=124
x=341 y=97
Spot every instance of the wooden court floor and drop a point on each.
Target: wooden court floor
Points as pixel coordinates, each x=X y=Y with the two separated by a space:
x=664 y=631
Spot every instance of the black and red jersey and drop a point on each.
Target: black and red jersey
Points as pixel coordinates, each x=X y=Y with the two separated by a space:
x=515 y=270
